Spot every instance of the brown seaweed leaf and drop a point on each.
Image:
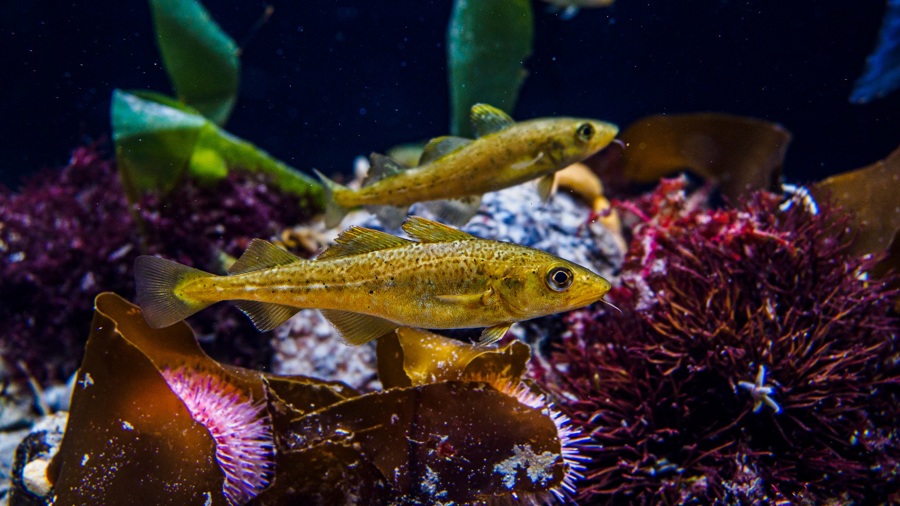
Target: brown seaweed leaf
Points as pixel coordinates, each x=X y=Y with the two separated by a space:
x=126 y=421
x=449 y=442
x=132 y=433
x=872 y=194
x=740 y=154
x=154 y=417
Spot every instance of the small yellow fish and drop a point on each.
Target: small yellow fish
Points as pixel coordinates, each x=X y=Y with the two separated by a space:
x=454 y=172
x=370 y=283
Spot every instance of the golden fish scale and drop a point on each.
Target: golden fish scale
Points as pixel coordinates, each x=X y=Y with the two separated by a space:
x=400 y=284
x=483 y=166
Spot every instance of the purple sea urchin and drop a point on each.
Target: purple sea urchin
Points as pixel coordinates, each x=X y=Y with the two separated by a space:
x=240 y=427
x=709 y=299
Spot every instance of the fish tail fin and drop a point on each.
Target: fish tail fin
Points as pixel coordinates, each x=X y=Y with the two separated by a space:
x=334 y=212
x=158 y=282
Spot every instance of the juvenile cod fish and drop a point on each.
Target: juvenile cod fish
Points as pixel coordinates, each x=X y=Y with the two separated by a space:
x=454 y=172
x=371 y=282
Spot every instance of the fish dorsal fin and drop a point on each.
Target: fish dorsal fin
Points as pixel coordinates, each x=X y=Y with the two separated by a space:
x=440 y=147
x=425 y=230
x=264 y=316
x=487 y=119
x=359 y=240
x=260 y=255
x=358 y=328
x=381 y=167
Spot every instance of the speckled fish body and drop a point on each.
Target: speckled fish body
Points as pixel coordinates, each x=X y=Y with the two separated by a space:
x=523 y=152
x=505 y=154
x=372 y=282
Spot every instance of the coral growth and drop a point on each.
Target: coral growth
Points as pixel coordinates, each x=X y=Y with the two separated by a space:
x=69 y=235
x=752 y=361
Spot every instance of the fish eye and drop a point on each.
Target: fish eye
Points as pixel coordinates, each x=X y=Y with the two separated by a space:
x=559 y=278
x=585 y=131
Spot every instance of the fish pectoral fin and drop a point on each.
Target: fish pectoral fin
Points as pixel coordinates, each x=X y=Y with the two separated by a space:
x=468 y=299
x=487 y=119
x=493 y=334
x=425 y=230
x=358 y=328
x=440 y=147
x=266 y=316
x=456 y=212
x=389 y=216
x=260 y=255
x=359 y=240
x=528 y=163
x=381 y=167
x=546 y=186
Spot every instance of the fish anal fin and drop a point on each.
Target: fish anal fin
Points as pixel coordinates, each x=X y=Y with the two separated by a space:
x=456 y=212
x=493 y=334
x=358 y=328
x=440 y=147
x=381 y=167
x=359 y=240
x=487 y=119
x=260 y=255
x=546 y=186
x=390 y=217
x=426 y=230
x=266 y=316
x=158 y=282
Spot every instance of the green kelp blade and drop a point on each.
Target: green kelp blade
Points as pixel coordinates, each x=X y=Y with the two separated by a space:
x=487 y=41
x=201 y=60
x=159 y=140
x=242 y=155
x=154 y=139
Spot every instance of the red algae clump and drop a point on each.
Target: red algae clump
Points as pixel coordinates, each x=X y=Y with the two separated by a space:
x=753 y=361
x=68 y=235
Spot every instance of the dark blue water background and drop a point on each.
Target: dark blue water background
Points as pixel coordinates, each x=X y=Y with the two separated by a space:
x=324 y=81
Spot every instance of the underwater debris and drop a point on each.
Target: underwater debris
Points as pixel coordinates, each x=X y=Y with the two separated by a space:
x=710 y=298
x=137 y=429
x=68 y=234
x=569 y=8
